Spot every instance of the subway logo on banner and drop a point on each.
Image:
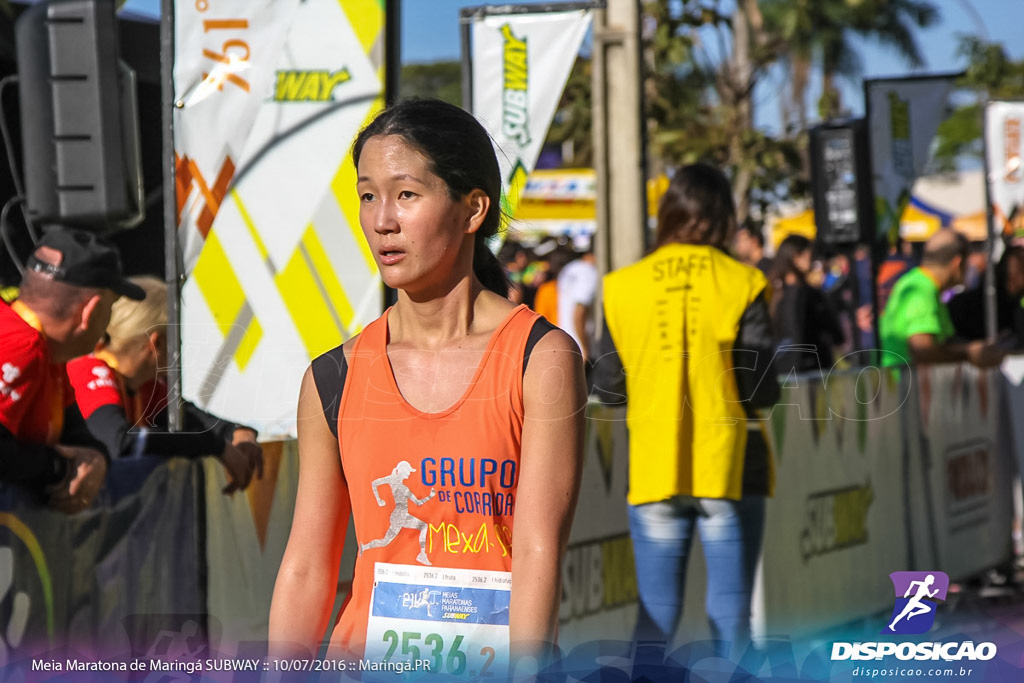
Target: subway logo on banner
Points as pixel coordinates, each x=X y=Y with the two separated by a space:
x=835 y=520
x=309 y=85
x=515 y=117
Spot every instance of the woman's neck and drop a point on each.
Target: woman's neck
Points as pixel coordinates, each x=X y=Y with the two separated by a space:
x=432 y=321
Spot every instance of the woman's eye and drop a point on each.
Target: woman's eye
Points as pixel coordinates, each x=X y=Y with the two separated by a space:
x=366 y=197
x=406 y=194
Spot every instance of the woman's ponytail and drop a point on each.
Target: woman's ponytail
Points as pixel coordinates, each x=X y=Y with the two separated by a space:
x=487 y=268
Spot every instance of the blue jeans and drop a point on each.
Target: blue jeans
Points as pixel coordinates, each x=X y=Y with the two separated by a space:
x=730 y=532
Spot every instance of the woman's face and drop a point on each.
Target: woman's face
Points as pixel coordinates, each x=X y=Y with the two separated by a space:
x=802 y=261
x=420 y=237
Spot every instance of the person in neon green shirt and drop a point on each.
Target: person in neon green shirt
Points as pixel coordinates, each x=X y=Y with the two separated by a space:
x=915 y=326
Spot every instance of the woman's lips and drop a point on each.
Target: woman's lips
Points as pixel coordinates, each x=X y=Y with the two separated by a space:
x=389 y=257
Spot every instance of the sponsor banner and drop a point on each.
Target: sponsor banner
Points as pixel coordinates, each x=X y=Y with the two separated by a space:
x=224 y=54
x=88 y=578
x=246 y=534
x=520 y=65
x=1013 y=409
x=835 y=528
x=278 y=270
x=903 y=117
x=1003 y=122
x=960 y=488
x=598 y=575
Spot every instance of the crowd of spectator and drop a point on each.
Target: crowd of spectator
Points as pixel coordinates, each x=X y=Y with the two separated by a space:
x=823 y=301
x=82 y=356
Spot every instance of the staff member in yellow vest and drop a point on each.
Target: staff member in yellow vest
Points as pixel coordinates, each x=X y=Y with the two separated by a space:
x=687 y=347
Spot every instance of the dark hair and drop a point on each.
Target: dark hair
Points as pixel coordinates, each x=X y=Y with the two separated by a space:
x=459 y=152
x=1012 y=252
x=697 y=208
x=754 y=233
x=782 y=264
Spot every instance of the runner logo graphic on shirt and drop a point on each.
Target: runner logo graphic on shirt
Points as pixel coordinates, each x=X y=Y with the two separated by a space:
x=10 y=373
x=401 y=517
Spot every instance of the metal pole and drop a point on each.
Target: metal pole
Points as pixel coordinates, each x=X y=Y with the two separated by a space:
x=599 y=134
x=991 y=322
x=878 y=251
x=392 y=50
x=172 y=263
x=465 y=35
x=536 y=8
x=392 y=88
x=622 y=164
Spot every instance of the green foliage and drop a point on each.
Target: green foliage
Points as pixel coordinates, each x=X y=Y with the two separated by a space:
x=699 y=100
x=990 y=74
x=573 y=121
x=990 y=69
x=442 y=80
x=809 y=31
x=704 y=58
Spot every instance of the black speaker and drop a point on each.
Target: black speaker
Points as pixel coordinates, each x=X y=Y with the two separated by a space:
x=79 y=119
x=841 y=182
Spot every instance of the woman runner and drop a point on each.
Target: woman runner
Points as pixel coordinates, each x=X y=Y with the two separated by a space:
x=470 y=407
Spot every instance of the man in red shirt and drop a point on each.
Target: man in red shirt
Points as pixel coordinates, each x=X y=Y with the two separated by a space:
x=68 y=286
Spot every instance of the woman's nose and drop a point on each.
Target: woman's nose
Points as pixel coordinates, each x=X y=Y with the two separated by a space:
x=385 y=218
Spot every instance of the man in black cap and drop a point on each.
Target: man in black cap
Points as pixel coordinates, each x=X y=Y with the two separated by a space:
x=63 y=307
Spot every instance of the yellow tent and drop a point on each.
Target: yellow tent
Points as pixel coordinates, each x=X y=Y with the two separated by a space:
x=795 y=224
x=918 y=224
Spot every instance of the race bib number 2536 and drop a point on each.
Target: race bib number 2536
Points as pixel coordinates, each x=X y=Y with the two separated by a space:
x=440 y=621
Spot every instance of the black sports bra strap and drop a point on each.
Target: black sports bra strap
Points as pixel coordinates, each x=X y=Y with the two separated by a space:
x=329 y=372
x=540 y=328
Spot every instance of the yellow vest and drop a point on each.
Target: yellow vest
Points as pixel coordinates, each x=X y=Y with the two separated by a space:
x=674 y=317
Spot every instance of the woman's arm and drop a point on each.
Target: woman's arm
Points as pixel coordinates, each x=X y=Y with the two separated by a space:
x=554 y=398
x=308 y=578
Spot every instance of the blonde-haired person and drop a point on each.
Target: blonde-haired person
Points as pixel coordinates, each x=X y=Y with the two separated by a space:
x=122 y=394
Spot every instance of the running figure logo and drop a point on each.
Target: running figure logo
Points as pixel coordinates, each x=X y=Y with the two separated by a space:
x=420 y=599
x=914 y=612
x=401 y=518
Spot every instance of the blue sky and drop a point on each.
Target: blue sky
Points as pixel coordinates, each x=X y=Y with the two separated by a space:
x=430 y=32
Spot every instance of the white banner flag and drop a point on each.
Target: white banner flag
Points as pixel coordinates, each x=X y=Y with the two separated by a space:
x=520 y=65
x=1003 y=123
x=224 y=57
x=278 y=269
x=903 y=118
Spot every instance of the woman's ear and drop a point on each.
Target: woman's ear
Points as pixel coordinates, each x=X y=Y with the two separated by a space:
x=479 y=204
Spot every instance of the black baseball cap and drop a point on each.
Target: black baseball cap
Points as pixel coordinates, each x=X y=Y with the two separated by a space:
x=82 y=259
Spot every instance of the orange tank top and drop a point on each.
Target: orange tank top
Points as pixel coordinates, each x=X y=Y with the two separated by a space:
x=431 y=492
